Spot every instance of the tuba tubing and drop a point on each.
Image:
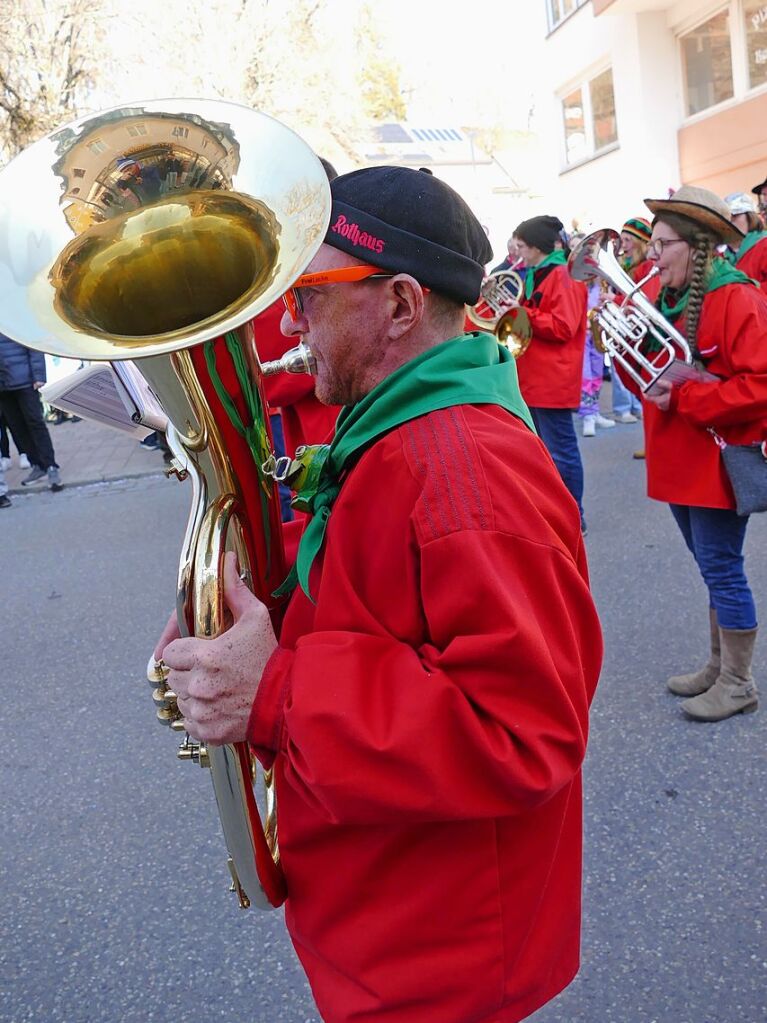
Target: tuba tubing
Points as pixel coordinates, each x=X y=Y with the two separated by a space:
x=189 y=219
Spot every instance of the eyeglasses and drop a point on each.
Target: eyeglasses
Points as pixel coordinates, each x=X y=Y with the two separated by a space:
x=341 y=275
x=660 y=244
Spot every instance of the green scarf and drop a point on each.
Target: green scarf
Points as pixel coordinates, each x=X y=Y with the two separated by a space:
x=751 y=239
x=722 y=273
x=555 y=258
x=472 y=369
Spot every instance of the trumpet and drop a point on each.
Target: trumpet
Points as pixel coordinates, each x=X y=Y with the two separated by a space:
x=498 y=311
x=635 y=334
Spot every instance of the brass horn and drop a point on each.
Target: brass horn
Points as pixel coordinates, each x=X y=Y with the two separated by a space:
x=498 y=312
x=157 y=232
x=634 y=333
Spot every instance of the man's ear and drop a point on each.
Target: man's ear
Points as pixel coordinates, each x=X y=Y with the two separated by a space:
x=407 y=295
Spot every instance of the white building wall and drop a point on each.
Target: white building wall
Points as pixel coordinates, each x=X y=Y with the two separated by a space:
x=641 y=50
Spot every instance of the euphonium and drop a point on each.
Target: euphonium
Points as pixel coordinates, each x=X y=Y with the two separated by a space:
x=156 y=232
x=626 y=329
x=498 y=311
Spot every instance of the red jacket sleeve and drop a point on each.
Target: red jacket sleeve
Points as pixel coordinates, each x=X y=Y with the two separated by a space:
x=736 y=329
x=502 y=675
x=563 y=314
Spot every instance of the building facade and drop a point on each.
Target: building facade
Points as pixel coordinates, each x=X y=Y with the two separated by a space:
x=650 y=94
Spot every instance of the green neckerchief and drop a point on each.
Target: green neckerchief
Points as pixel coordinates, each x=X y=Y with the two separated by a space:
x=721 y=273
x=472 y=369
x=555 y=258
x=751 y=239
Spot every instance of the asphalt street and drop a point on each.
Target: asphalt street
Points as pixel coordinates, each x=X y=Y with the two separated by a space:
x=114 y=905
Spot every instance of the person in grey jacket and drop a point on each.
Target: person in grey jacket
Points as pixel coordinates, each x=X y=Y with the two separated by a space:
x=22 y=374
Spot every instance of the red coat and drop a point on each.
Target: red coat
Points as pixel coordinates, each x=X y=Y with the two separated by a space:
x=684 y=465
x=429 y=717
x=550 y=370
x=754 y=263
x=305 y=420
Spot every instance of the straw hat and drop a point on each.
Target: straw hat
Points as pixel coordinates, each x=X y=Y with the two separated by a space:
x=702 y=207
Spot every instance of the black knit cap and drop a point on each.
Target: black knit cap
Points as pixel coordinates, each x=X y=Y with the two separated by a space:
x=410 y=222
x=540 y=232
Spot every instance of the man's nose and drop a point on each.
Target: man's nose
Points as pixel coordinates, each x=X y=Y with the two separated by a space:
x=289 y=326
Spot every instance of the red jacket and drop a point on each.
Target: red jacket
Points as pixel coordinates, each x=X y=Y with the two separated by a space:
x=754 y=263
x=305 y=420
x=429 y=719
x=550 y=370
x=684 y=465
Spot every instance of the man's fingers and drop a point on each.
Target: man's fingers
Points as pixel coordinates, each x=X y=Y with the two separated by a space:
x=169 y=633
x=182 y=654
x=237 y=596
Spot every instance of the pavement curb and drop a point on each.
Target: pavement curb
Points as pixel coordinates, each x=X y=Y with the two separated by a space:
x=73 y=484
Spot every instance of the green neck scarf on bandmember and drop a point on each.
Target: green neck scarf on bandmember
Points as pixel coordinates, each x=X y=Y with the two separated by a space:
x=673 y=303
x=472 y=369
x=751 y=239
x=555 y=258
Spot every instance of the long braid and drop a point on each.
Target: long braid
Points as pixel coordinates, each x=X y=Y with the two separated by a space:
x=702 y=255
x=703 y=244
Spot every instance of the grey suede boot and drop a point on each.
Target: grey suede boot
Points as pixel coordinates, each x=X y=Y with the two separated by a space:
x=734 y=692
x=700 y=681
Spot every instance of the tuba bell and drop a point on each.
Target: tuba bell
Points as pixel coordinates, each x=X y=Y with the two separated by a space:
x=498 y=312
x=635 y=333
x=157 y=232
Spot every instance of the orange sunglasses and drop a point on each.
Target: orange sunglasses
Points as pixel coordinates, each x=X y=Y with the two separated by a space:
x=341 y=275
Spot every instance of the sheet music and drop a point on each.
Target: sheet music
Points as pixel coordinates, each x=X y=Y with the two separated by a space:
x=97 y=392
x=677 y=372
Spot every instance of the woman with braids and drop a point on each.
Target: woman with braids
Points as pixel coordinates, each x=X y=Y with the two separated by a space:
x=751 y=254
x=724 y=317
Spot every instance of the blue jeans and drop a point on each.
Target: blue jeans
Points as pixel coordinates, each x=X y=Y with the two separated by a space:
x=715 y=539
x=623 y=399
x=556 y=429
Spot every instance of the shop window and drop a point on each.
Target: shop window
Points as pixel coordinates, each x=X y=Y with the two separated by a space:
x=707 y=63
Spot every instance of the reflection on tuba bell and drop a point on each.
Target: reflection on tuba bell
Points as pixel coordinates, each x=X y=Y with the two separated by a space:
x=498 y=311
x=157 y=232
x=634 y=333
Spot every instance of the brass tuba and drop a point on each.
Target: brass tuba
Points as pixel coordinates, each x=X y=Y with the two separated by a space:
x=157 y=232
x=498 y=312
x=634 y=333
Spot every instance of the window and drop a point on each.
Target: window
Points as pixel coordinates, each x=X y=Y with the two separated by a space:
x=558 y=10
x=136 y=129
x=707 y=63
x=180 y=132
x=575 y=129
x=756 y=42
x=78 y=172
x=97 y=146
x=589 y=118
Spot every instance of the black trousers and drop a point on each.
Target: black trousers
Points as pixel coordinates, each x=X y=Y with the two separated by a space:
x=23 y=411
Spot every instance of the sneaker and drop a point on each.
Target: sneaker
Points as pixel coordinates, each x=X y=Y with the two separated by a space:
x=604 y=424
x=24 y=462
x=150 y=442
x=627 y=417
x=5 y=501
x=35 y=476
x=589 y=426
x=638 y=454
x=5 y=462
x=54 y=478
